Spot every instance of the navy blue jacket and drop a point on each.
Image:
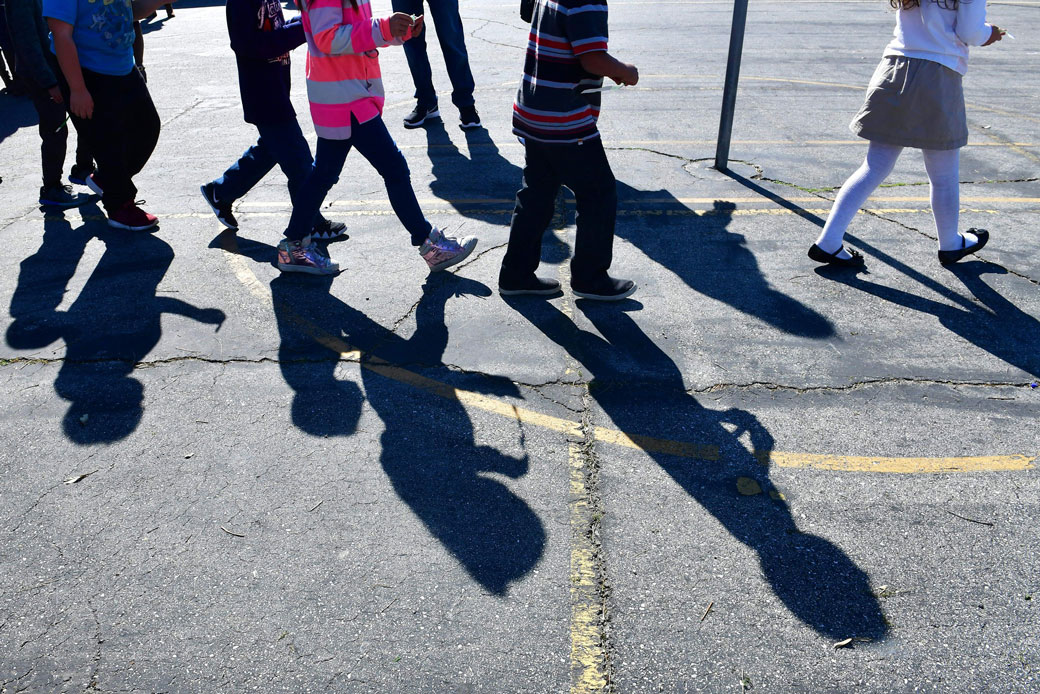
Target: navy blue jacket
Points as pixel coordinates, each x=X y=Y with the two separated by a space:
x=261 y=40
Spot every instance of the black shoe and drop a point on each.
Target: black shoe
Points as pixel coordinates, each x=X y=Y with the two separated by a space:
x=607 y=289
x=80 y=174
x=324 y=230
x=951 y=257
x=61 y=196
x=420 y=114
x=821 y=256
x=222 y=210
x=469 y=118
x=529 y=285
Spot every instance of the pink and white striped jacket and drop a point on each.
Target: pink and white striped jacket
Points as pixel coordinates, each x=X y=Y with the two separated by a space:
x=343 y=77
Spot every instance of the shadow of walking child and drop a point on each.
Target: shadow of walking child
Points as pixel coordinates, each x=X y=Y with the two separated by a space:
x=110 y=327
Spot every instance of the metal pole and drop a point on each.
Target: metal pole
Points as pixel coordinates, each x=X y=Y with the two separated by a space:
x=729 y=93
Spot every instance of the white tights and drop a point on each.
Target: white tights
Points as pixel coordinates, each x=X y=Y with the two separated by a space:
x=943 y=175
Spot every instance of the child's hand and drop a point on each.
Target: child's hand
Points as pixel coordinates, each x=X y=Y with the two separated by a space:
x=81 y=103
x=417 y=26
x=995 y=35
x=400 y=23
x=628 y=74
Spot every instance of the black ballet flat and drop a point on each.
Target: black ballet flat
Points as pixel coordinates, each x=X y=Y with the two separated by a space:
x=951 y=257
x=821 y=256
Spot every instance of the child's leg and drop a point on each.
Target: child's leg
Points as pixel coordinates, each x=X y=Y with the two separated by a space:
x=880 y=161
x=239 y=178
x=943 y=167
x=535 y=204
x=588 y=175
x=141 y=124
x=373 y=141
x=53 y=135
x=330 y=155
x=289 y=149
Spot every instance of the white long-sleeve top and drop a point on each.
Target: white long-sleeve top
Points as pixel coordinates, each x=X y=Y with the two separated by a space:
x=941 y=35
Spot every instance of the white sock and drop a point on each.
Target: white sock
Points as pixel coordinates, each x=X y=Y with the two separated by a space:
x=880 y=161
x=943 y=167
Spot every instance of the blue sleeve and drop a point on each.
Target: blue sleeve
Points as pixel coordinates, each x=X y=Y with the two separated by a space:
x=64 y=10
x=249 y=40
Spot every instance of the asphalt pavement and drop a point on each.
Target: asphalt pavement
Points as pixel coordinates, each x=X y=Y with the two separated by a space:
x=756 y=474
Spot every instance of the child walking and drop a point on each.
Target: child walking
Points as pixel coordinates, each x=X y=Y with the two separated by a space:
x=107 y=97
x=346 y=98
x=261 y=40
x=915 y=99
x=555 y=116
x=38 y=66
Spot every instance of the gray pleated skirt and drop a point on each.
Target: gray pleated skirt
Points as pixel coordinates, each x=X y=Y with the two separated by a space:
x=913 y=102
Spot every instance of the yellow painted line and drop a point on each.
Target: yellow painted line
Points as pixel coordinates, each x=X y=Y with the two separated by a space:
x=849 y=463
x=648 y=444
x=588 y=654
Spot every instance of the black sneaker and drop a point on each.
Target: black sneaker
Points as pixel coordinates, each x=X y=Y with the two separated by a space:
x=61 y=196
x=222 y=210
x=420 y=114
x=529 y=285
x=607 y=289
x=80 y=174
x=324 y=230
x=469 y=118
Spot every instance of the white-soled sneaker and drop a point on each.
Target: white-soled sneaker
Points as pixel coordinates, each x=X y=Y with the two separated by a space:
x=440 y=251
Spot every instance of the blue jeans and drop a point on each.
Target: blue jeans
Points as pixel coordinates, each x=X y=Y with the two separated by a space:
x=445 y=14
x=280 y=143
x=373 y=141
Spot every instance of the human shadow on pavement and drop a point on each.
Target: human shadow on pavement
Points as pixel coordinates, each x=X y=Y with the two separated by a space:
x=15 y=113
x=711 y=259
x=427 y=446
x=641 y=390
x=990 y=322
x=482 y=186
x=464 y=182
x=109 y=328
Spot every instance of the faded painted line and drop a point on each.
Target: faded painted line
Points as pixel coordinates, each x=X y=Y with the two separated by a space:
x=484 y=211
x=588 y=655
x=648 y=444
x=285 y=204
x=621 y=144
x=681 y=212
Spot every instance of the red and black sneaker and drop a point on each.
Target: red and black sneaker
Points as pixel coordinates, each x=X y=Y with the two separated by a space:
x=131 y=217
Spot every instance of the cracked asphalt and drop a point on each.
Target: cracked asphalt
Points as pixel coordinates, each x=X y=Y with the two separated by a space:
x=217 y=478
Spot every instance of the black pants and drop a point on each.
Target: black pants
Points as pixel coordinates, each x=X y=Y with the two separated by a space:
x=53 y=136
x=122 y=132
x=585 y=170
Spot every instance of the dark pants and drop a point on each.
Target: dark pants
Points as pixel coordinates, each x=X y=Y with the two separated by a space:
x=53 y=135
x=585 y=170
x=373 y=141
x=122 y=132
x=445 y=14
x=280 y=143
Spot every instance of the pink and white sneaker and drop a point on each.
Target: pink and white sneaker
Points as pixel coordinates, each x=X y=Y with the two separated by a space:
x=305 y=256
x=440 y=251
